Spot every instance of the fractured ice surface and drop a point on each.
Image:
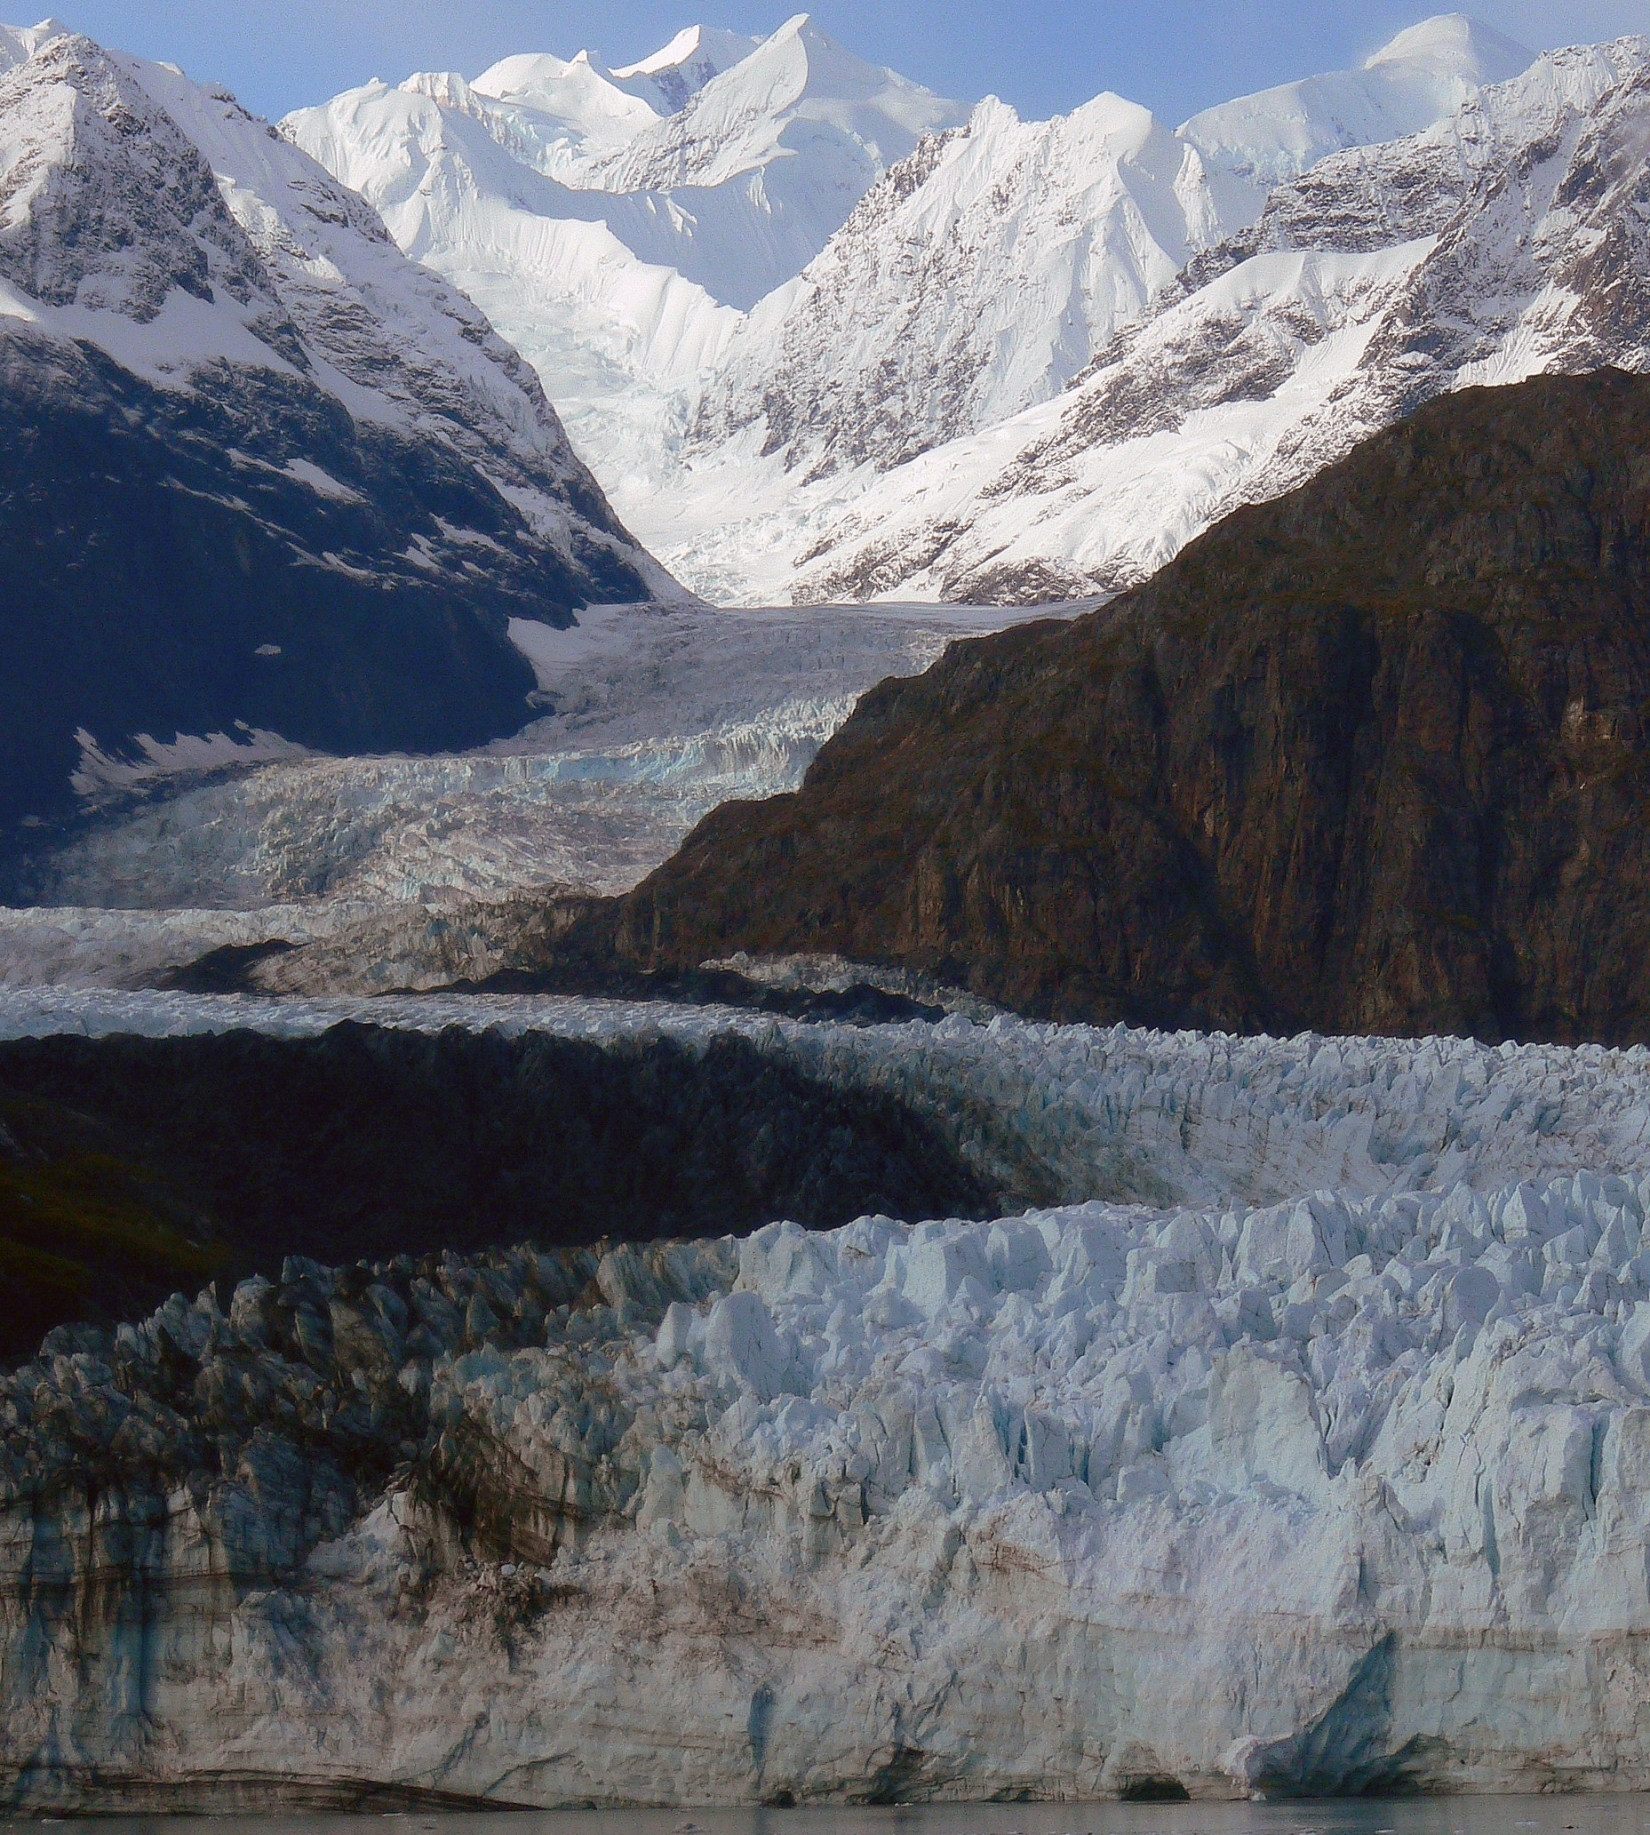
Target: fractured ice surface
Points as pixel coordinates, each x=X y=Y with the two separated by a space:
x=1066 y=1113
x=655 y=717
x=1311 y=1451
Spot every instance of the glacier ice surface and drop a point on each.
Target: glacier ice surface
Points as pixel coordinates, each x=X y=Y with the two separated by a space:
x=1299 y=1439
x=653 y=717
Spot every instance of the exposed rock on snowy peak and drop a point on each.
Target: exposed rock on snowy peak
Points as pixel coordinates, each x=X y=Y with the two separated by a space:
x=988 y=271
x=676 y=74
x=267 y=479
x=1502 y=242
x=1367 y=759
x=19 y=43
x=978 y=277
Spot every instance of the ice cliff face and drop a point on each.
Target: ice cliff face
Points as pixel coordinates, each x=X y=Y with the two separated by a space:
x=1246 y=1492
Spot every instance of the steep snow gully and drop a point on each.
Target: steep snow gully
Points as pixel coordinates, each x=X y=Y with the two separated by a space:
x=1297 y=1439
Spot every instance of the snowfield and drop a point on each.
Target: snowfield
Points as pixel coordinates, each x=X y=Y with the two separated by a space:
x=1298 y=1440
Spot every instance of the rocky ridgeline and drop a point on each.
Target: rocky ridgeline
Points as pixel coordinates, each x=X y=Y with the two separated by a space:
x=1323 y=1495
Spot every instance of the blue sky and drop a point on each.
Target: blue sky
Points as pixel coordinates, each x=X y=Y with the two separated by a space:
x=1042 y=55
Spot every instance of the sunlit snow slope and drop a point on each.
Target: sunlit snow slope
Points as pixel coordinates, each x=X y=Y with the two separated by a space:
x=615 y=224
x=1503 y=241
x=851 y=431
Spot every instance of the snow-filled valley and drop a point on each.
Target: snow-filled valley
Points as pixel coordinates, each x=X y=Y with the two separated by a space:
x=1293 y=1440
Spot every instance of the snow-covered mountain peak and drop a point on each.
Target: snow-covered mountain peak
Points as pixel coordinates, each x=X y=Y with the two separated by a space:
x=826 y=82
x=1454 y=45
x=577 y=95
x=798 y=88
x=1426 y=74
x=676 y=74
x=297 y=485
x=1497 y=243
x=18 y=43
x=108 y=214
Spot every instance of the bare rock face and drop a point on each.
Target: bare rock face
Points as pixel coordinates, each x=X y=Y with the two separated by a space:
x=1367 y=759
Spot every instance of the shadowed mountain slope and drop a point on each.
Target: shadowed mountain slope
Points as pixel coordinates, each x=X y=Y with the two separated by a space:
x=1370 y=758
x=130 y=1167
x=264 y=483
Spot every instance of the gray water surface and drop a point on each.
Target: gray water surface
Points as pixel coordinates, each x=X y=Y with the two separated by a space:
x=1555 y=1815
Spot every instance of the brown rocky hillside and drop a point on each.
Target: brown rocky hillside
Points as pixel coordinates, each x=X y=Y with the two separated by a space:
x=1370 y=758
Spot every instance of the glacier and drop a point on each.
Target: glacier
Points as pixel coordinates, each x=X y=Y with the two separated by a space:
x=1297 y=1443
x=649 y=717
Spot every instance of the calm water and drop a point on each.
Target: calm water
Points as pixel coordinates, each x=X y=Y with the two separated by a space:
x=1591 y=1815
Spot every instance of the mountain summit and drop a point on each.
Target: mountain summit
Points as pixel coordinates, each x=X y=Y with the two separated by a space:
x=1422 y=75
x=264 y=483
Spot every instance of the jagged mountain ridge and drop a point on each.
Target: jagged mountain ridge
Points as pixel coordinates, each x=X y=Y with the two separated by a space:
x=986 y=274
x=736 y=189
x=979 y=276
x=314 y=481
x=1503 y=242
x=616 y=247
x=811 y=448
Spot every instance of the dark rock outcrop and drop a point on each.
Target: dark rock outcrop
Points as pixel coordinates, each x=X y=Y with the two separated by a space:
x=1370 y=758
x=139 y=1165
